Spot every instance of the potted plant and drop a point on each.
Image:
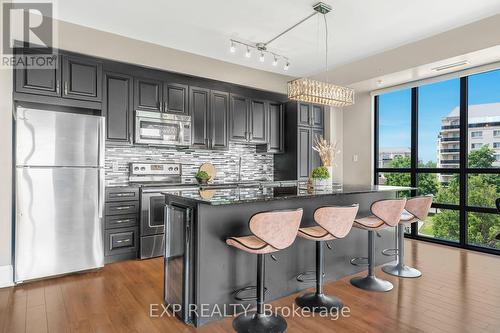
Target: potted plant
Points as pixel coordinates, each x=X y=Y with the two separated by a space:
x=202 y=177
x=327 y=152
x=320 y=178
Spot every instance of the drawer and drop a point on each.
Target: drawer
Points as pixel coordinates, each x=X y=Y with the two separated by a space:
x=122 y=208
x=122 y=194
x=121 y=221
x=123 y=240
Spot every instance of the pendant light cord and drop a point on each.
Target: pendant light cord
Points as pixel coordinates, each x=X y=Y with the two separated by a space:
x=326 y=46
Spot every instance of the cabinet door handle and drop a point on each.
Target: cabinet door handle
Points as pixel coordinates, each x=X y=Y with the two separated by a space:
x=58 y=86
x=123 y=240
x=65 y=87
x=123 y=207
x=165 y=107
x=124 y=194
x=123 y=221
x=251 y=136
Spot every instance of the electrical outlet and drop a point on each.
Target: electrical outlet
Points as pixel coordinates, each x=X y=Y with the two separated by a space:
x=355 y=157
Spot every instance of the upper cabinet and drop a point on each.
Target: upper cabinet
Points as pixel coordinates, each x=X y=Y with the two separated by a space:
x=117 y=107
x=238 y=118
x=39 y=81
x=175 y=98
x=158 y=96
x=257 y=129
x=82 y=78
x=73 y=78
x=310 y=115
x=248 y=120
x=199 y=101
x=219 y=120
x=148 y=95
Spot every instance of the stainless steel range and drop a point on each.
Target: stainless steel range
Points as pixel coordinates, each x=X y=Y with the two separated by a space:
x=153 y=179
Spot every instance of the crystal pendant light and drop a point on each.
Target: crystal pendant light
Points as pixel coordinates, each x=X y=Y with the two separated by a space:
x=325 y=93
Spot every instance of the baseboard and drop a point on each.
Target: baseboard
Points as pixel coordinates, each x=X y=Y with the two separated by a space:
x=6 y=276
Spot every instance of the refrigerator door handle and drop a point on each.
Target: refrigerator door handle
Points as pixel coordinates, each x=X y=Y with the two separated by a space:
x=101 y=193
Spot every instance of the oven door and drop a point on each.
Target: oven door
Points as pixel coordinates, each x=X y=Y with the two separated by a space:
x=152 y=213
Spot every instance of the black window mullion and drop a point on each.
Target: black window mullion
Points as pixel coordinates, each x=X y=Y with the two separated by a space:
x=376 y=140
x=414 y=146
x=464 y=106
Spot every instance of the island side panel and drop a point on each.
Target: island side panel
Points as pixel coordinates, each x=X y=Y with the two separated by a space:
x=222 y=269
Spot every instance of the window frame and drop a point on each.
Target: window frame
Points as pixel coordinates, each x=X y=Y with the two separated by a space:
x=463 y=170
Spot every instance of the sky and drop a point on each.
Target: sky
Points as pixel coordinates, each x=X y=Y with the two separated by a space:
x=435 y=100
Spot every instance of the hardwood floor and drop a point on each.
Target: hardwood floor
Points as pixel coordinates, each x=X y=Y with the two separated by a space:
x=458 y=292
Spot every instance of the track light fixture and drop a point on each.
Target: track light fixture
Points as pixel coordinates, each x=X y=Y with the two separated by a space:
x=262 y=50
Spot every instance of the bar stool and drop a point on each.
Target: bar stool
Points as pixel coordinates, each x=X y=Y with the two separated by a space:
x=386 y=214
x=334 y=223
x=416 y=209
x=272 y=231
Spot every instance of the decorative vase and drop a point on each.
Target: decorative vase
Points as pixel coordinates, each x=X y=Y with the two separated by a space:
x=320 y=184
x=330 y=172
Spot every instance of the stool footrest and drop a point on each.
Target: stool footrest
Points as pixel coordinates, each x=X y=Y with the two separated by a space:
x=359 y=261
x=390 y=252
x=245 y=289
x=306 y=276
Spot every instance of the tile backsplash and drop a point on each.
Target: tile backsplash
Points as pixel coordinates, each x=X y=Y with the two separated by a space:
x=254 y=166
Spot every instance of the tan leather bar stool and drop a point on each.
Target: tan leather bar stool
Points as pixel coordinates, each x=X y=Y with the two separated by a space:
x=386 y=214
x=416 y=209
x=334 y=222
x=271 y=232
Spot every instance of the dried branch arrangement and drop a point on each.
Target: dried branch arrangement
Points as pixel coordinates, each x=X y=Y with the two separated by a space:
x=326 y=150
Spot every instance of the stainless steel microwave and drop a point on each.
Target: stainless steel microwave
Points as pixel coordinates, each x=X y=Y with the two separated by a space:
x=155 y=128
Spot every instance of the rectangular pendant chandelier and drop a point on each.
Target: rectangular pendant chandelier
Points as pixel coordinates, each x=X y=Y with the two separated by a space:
x=312 y=91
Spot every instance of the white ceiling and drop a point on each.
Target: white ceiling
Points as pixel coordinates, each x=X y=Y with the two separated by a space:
x=357 y=28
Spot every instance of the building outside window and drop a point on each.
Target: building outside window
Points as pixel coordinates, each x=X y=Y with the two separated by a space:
x=476 y=145
x=476 y=134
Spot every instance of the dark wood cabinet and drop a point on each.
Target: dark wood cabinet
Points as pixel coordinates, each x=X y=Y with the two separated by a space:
x=39 y=81
x=175 y=98
x=117 y=107
x=318 y=116
x=304 y=151
x=148 y=95
x=304 y=114
x=82 y=78
x=248 y=120
x=257 y=122
x=304 y=122
x=199 y=107
x=121 y=232
x=219 y=120
x=315 y=159
x=71 y=77
x=276 y=128
x=238 y=119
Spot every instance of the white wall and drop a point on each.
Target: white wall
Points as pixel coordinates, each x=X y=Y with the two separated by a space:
x=357 y=141
x=89 y=41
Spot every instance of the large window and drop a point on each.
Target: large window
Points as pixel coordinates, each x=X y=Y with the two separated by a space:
x=443 y=139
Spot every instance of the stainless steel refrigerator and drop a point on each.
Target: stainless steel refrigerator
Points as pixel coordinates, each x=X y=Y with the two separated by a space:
x=59 y=181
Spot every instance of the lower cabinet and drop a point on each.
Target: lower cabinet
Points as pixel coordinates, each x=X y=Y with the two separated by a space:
x=121 y=224
x=121 y=241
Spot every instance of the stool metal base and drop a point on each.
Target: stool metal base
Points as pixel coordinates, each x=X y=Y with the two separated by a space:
x=371 y=283
x=314 y=302
x=402 y=271
x=252 y=322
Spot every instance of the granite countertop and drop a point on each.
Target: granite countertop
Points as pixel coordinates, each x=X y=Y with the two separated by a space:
x=219 y=195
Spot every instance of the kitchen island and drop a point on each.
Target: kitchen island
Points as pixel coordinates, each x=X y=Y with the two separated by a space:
x=202 y=272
